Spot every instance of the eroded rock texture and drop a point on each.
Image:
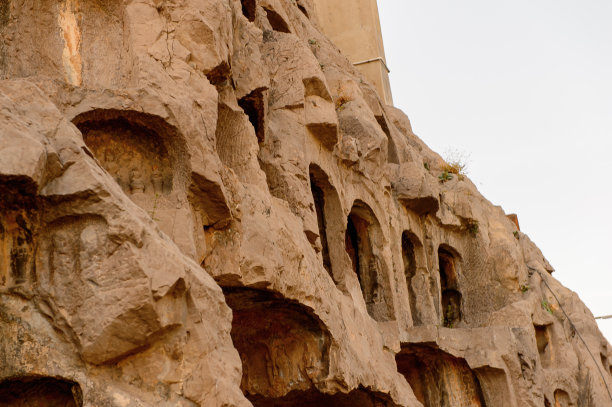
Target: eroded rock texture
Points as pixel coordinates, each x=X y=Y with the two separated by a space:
x=203 y=204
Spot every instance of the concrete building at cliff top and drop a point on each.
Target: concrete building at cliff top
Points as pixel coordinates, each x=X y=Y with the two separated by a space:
x=354 y=26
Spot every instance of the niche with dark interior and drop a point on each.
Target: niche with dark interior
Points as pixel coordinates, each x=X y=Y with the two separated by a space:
x=303 y=9
x=392 y=156
x=562 y=399
x=18 y=209
x=254 y=107
x=283 y=346
x=362 y=231
x=314 y=398
x=319 y=201
x=39 y=391
x=604 y=362
x=249 y=8
x=276 y=21
x=410 y=269
x=449 y=288
x=542 y=336
x=439 y=379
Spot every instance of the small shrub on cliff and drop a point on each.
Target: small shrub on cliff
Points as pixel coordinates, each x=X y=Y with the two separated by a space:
x=456 y=162
x=445 y=176
x=341 y=101
x=473 y=227
x=547 y=306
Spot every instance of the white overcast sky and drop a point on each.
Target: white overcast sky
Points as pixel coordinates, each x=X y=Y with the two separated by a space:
x=524 y=87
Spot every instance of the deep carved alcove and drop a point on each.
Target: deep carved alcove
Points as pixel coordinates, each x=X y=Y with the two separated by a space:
x=329 y=219
x=283 y=346
x=276 y=21
x=542 y=336
x=319 y=201
x=419 y=283
x=363 y=243
x=249 y=8
x=18 y=208
x=314 y=398
x=148 y=160
x=254 y=106
x=439 y=379
x=449 y=288
x=562 y=399
x=38 y=391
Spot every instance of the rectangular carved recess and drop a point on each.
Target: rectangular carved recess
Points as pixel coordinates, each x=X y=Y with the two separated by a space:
x=449 y=282
x=253 y=105
x=542 y=333
x=319 y=201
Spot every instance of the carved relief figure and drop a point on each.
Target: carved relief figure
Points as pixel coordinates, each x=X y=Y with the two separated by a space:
x=62 y=253
x=136 y=182
x=141 y=160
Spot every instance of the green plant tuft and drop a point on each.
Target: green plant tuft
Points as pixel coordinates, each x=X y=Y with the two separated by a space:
x=473 y=227
x=445 y=176
x=547 y=307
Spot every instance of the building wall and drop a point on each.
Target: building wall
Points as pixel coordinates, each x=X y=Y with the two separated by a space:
x=354 y=26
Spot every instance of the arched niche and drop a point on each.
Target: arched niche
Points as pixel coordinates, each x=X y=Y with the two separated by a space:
x=364 y=245
x=314 y=398
x=329 y=220
x=439 y=379
x=18 y=219
x=283 y=346
x=147 y=157
x=544 y=344
x=562 y=399
x=421 y=287
x=450 y=295
x=40 y=391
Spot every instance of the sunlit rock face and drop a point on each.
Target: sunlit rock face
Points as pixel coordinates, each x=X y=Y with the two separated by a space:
x=203 y=203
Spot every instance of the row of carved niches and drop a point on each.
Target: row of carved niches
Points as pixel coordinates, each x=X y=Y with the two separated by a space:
x=146 y=158
x=282 y=345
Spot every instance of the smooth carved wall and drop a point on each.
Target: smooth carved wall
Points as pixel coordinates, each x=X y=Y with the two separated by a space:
x=354 y=27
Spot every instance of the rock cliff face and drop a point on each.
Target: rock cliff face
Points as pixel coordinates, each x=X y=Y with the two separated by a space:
x=203 y=204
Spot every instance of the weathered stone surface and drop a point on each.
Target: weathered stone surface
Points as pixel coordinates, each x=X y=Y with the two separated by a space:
x=203 y=204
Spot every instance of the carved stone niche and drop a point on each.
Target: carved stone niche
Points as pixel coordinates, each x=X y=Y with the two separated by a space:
x=283 y=346
x=449 y=287
x=17 y=232
x=543 y=342
x=363 y=244
x=314 y=398
x=421 y=287
x=439 y=379
x=40 y=391
x=148 y=159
